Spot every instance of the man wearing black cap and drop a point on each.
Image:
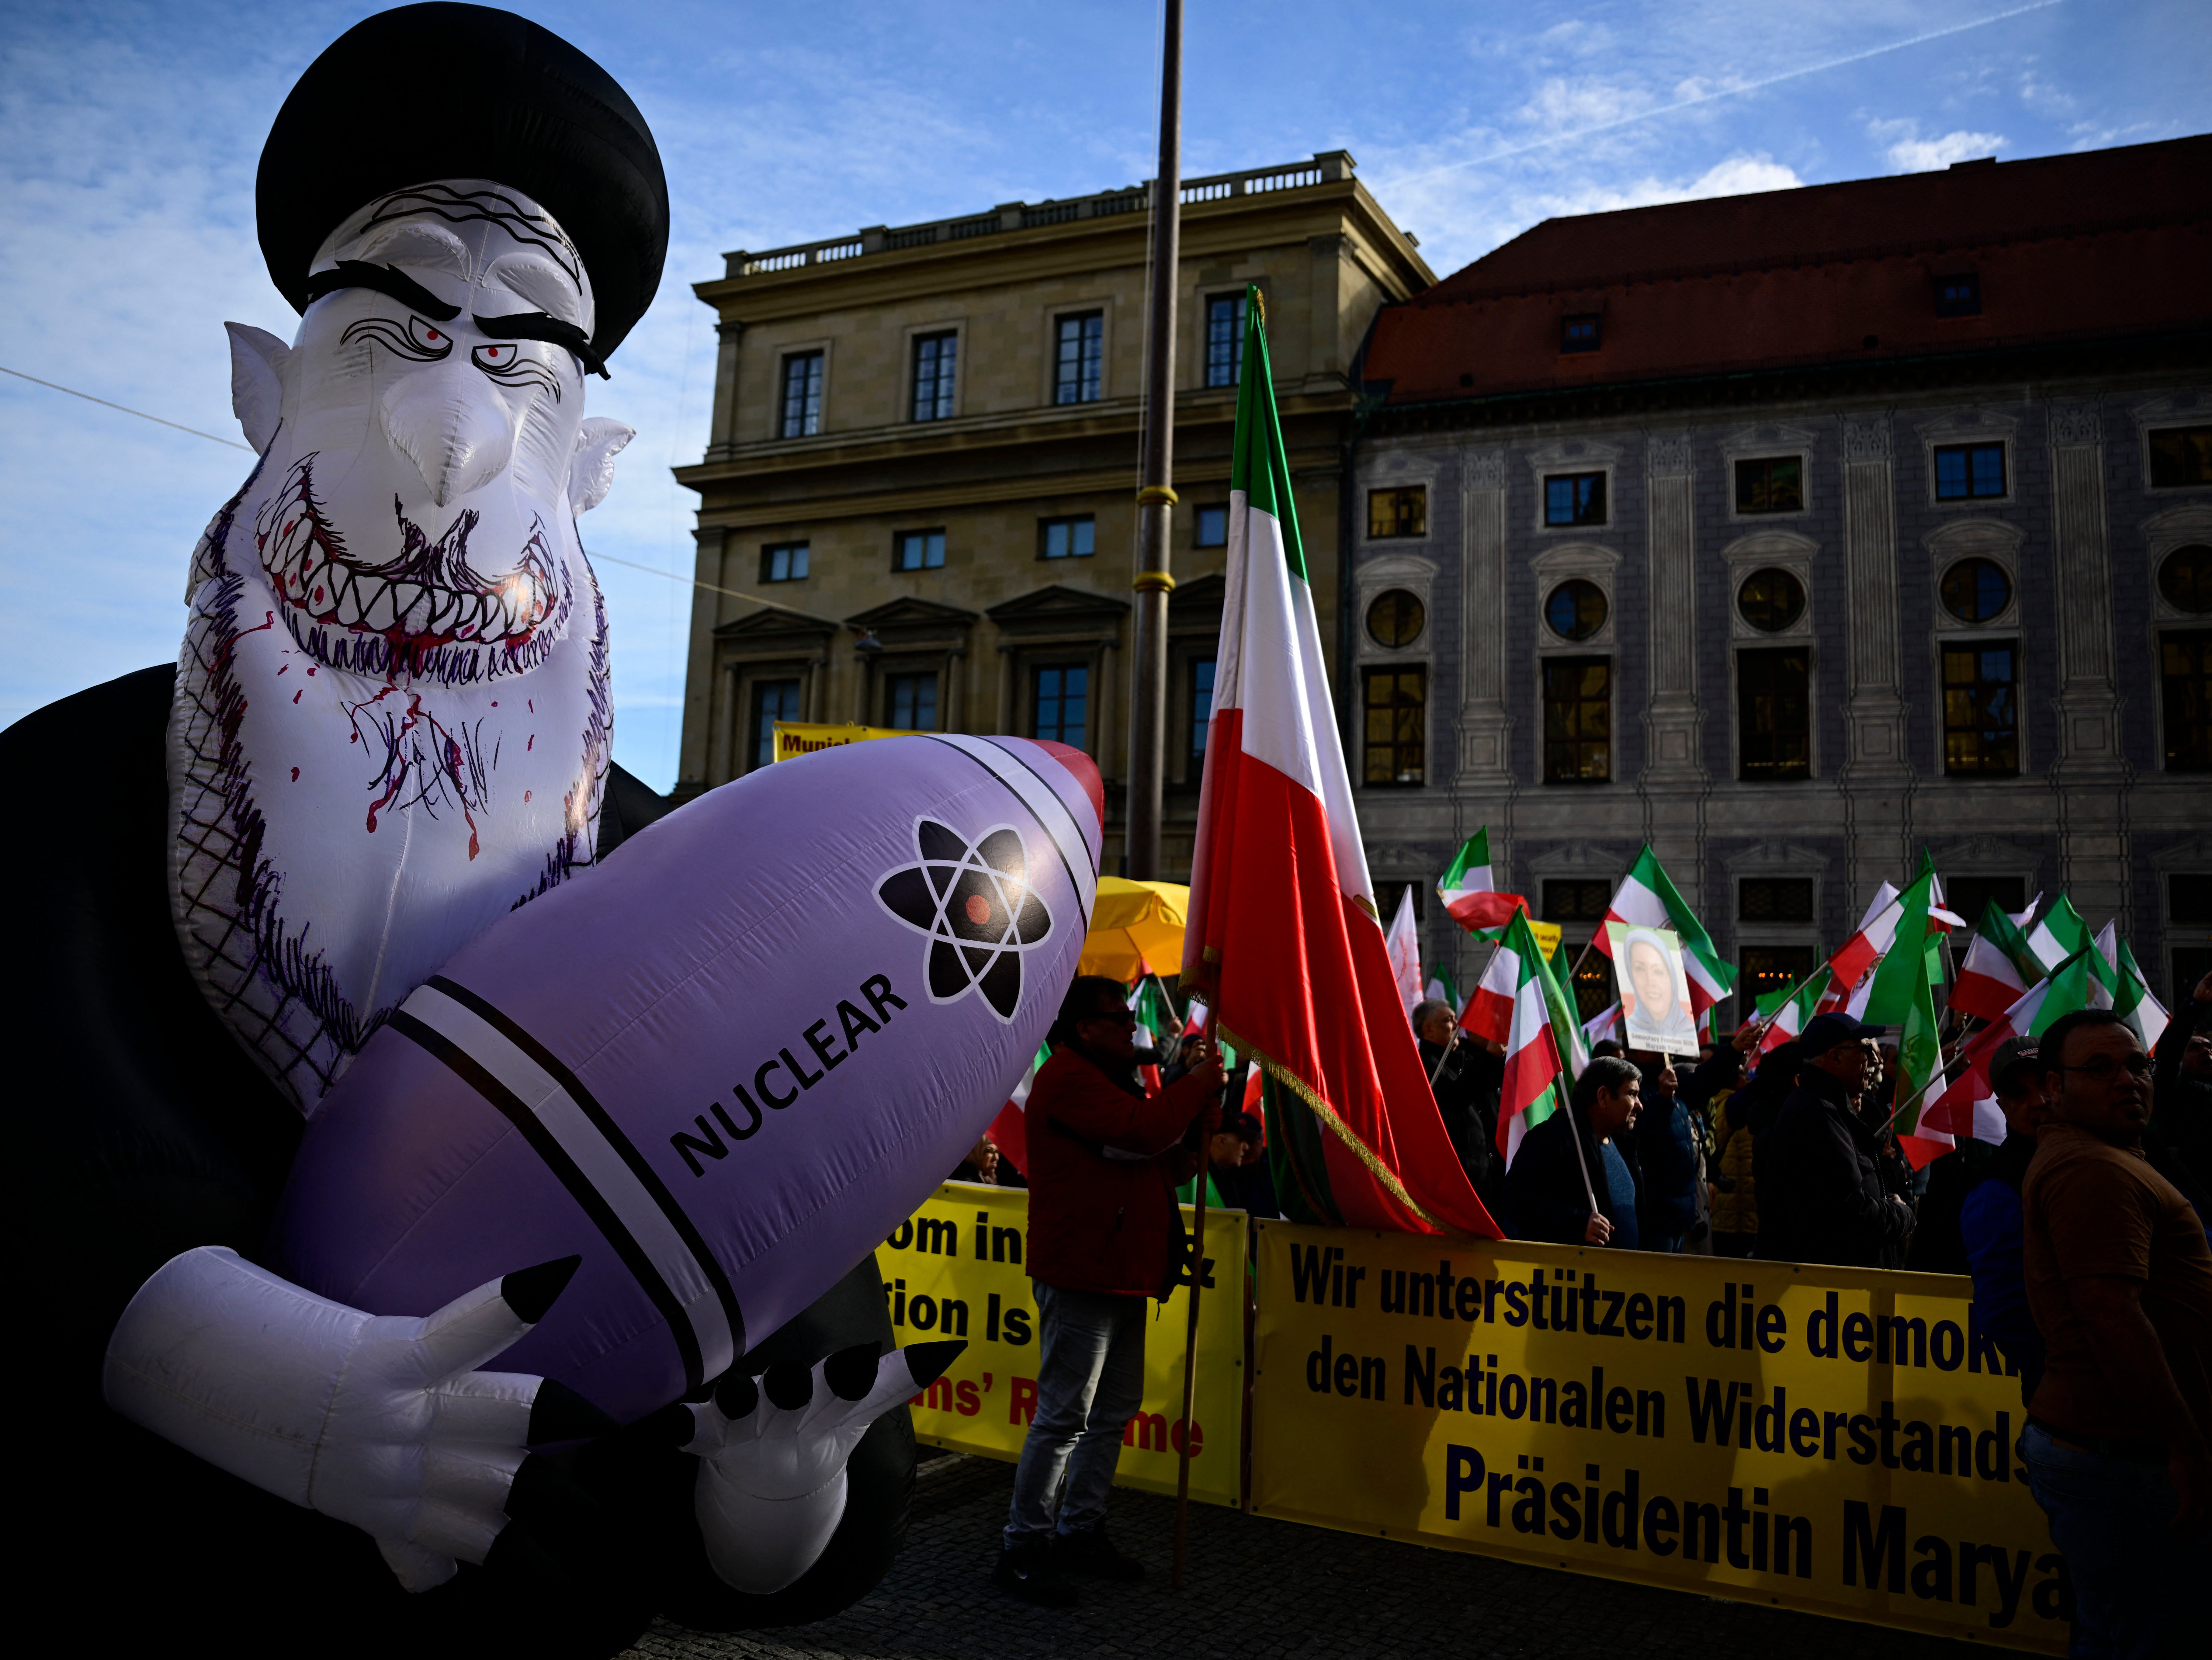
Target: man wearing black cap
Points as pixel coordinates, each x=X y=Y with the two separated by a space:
x=1989 y=1221
x=1822 y=1194
x=390 y=726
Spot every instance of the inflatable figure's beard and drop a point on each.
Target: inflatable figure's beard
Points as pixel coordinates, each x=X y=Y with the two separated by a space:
x=424 y=613
x=341 y=824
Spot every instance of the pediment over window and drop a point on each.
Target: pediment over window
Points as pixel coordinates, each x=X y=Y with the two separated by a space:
x=909 y=621
x=772 y=629
x=1055 y=608
x=1197 y=604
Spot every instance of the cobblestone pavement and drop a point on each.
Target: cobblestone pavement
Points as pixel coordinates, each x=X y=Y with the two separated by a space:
x=1271 y=1590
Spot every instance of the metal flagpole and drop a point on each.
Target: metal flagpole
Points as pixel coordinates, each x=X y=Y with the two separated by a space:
x=1190 y=1336
x=1148 y=657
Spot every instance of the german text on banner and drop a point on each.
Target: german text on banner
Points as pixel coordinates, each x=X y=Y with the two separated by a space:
x=954 y=1269
x=1831 y=1439
x=797 y=738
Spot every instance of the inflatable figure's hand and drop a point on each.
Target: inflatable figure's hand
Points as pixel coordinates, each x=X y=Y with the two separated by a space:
x=771 y=1455
x=378 y=1421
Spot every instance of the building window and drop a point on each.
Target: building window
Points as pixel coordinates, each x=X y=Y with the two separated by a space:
x=1060 y=702
x=1398 y=512
x=1771 y=600
x=1773 y=483
x=1578 y=720
x=1583 y=333
x=2184 y=579
x=1774 y=899
x=2180 y=456
x=1970 y=896
x=1969 y=471
x=784 y=561
x=936 y=358
x=1577 y=900
x=910 y=702
x=1975 y=590
x=1082 y=341
x=1958 y=296
x=2189 y=901
x=1773 y=715
x=1067 y=538
x=1212 y=529
x=2184 y=664
x=918 y=549
x=1225 y=339
x=1394 y=620
x=1769 y=968
x=1574 y=498
x=1981 y=710
x=772 y=700
x=1201 y=704
x=802 y=395
x=1576 y=610
x=1397 y=725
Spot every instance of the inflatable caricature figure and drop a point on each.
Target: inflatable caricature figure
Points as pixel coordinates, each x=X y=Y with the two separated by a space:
x=342 y=1067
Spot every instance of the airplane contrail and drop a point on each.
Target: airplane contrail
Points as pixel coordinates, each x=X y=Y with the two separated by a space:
x=1725 y=92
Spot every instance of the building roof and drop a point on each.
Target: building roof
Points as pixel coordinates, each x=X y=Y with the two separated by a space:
x=2066 y=248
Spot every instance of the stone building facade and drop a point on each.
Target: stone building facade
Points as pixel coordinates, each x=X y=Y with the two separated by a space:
x=917 y=507
x=1795 y=533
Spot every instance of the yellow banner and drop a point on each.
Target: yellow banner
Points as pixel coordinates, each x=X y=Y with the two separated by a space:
x=1829 y=1439
x=796 y=738
x=955 y=1271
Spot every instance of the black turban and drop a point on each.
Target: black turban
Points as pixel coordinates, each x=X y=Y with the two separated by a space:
x=444 y=91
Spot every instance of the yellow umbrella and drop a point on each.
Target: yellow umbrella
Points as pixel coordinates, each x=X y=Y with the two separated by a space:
x=1134 y=926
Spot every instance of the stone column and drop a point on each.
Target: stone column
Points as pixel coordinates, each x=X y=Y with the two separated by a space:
x=702 y=690
x=1876 y=775
x=1005 y=718
x=1671 y=720
x=956 y=687
x=1484 y=723
x=1109 y=726
x=722 y=429
x=2090 y=776
x=814 y=694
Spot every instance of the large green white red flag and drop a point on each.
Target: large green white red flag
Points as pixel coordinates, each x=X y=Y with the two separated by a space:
x=1469 y=890
x=1645 y=898
x=1282 y=930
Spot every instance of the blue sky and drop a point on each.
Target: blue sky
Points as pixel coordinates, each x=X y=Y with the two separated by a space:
x=129 y=136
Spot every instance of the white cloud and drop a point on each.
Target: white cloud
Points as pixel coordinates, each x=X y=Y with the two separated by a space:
x=1908 y=152
x=1739 y=175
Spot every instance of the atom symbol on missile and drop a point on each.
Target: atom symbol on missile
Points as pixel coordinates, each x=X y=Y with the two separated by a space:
x=974 y=902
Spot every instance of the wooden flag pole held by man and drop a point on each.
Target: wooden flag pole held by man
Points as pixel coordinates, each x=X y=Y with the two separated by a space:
x=1191 y=1340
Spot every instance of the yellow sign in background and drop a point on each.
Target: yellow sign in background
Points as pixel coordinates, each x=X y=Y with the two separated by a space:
x=796 y=738
x=954 y=1269
x=1835 y=1440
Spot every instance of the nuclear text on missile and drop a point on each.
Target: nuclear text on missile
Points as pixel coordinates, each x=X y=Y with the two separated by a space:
x=780 y=1079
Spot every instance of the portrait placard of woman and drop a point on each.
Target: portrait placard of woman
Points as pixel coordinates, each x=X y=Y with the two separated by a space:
x=1655 y=993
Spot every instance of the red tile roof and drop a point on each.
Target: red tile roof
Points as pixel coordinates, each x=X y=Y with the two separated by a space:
x=2067 y=248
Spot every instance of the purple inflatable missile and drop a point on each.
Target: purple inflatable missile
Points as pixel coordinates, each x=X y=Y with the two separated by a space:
x=721 y=1068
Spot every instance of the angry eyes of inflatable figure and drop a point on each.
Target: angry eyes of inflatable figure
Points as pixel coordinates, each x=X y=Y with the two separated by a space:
x=392 y=723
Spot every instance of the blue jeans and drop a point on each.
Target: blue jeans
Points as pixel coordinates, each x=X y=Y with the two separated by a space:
x=1090 y=1381
x=2134 y=1577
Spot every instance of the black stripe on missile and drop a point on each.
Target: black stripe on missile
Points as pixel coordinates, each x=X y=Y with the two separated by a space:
x=648 y=1178
x=1074 y=886
x=470 y=1071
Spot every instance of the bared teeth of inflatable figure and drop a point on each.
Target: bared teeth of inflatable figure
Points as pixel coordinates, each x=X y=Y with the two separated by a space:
x=720 y=1068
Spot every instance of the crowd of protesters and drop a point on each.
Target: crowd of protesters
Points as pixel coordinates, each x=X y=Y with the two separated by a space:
x=2084 y=1233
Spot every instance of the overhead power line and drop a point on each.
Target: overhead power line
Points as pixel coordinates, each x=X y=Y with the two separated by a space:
x=597 y=558
x=51 y=386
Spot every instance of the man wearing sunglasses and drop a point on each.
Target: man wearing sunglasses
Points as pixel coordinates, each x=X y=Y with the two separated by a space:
x=2120 y=1280
x=1105 y=1234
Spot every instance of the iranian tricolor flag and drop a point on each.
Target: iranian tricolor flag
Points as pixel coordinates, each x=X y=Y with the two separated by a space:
x=1645 y=898
x=1786 y=1012
x=1994 y=975
x=1009 y=1129
x=2132 y=994
x=1886 y=998
x=1282 y=935
x=1470 y=893
x=1404 y=944
x=1518 y=1005
x=1969 y=1106
x=1156 y=1022
x=1919 y=1058
x=1863 y=950
x=2063 y=934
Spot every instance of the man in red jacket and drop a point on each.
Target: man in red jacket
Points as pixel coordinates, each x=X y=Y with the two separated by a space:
x=1104 y=1236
